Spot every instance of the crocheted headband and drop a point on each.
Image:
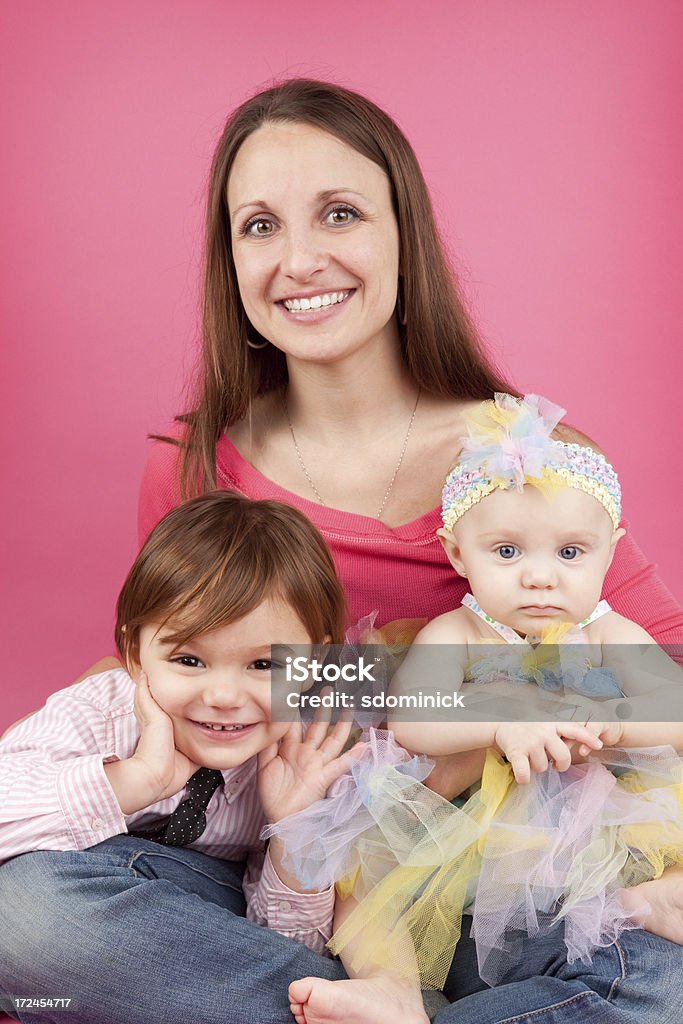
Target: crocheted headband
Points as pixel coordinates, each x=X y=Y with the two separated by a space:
x=509 y=445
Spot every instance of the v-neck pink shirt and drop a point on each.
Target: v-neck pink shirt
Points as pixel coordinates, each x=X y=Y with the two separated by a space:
x=399 y=572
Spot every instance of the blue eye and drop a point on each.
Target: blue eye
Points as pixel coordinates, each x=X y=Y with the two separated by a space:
x=507 y=551
x=569 y=553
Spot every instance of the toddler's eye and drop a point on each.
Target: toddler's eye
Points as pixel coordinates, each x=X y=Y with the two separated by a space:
x=342 y=215
x=258 y=227
x=187 y=661
x=569 y=553
x=262 y=664
x=507 y=551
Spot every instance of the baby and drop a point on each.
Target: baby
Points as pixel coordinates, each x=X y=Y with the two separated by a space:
x=533 y=524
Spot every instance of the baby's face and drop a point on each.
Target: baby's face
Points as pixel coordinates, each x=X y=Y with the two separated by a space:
x=533 y=561
x=216 y=688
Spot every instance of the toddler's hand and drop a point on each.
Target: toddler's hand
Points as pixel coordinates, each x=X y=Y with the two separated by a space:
x=530 y=746
x=163 y=767
x=300 y=770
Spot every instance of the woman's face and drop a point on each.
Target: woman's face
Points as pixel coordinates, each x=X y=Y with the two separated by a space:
x=315 y=243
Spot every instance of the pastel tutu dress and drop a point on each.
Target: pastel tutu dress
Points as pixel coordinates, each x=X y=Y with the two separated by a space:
x=519 y=859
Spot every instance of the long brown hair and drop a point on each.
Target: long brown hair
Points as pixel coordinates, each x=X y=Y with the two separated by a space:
x=439 y=342
x=214 y=559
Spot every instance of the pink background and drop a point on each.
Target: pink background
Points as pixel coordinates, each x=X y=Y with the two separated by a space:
x=549 y=133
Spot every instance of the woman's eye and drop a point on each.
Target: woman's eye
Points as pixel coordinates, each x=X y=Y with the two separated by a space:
x=342 y=215
x=507 y=551
x=258 y=227
x=187 y=661
x=569 y=553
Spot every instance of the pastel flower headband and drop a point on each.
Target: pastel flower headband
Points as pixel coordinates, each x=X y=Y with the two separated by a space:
x=509 y=445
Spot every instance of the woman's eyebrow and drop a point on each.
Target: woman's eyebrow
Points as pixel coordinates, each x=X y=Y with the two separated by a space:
x=329 y=192
x=245 y=206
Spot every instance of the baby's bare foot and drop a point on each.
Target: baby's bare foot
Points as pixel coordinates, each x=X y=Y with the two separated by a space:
x=360 y=1001
x=657 y=906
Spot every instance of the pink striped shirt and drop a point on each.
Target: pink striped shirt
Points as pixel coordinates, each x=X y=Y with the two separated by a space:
x=55 y=795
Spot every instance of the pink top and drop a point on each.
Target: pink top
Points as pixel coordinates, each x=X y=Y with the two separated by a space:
x=401 y=572
x=55 y=795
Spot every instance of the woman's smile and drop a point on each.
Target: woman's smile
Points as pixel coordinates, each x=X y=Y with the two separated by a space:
x=316 y=308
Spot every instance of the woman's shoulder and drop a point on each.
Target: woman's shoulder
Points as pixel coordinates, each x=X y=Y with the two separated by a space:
x=160 y=485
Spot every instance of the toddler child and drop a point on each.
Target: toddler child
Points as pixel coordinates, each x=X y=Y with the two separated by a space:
x=179 y=748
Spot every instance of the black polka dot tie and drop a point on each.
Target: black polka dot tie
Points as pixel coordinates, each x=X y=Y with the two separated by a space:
x=188 y=821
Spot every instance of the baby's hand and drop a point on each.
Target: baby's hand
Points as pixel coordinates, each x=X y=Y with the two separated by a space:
x=530 y=746
x=300 y=770
x=610 y=733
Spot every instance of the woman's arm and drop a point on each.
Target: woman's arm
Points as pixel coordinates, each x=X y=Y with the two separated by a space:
x=634 y=589
x=160 y=489
x=103 y=665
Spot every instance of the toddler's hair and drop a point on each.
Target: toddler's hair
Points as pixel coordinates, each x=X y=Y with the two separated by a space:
x=215 y=558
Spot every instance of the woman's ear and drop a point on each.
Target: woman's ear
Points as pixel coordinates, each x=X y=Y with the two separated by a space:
x=450 y=546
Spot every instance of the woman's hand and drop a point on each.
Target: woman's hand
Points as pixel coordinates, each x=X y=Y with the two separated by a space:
x=530 y=746
x=157 y=769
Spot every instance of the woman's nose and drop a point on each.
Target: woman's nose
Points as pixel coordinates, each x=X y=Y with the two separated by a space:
x=303 y=254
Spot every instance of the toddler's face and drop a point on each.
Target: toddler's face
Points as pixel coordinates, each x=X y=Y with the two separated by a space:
x=533 y=561
x=216 y=688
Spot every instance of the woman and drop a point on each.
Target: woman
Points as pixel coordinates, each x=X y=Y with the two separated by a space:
x=338 y=365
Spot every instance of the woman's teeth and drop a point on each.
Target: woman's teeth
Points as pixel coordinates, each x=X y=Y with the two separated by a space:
x=314 y=302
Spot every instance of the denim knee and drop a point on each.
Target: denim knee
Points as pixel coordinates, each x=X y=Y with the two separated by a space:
x=44 y=900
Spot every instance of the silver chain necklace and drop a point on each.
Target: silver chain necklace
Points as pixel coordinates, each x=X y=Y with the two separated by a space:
x=315 y=490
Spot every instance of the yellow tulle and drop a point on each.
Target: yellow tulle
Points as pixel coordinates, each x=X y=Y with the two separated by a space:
x=424 y=896
x=414 y=900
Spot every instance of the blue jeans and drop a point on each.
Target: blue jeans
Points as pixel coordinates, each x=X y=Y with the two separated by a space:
x=637 y=980
x=139 y=933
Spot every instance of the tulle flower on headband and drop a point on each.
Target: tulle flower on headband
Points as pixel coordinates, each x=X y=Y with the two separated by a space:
x=510 y=439
x=510 y=445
